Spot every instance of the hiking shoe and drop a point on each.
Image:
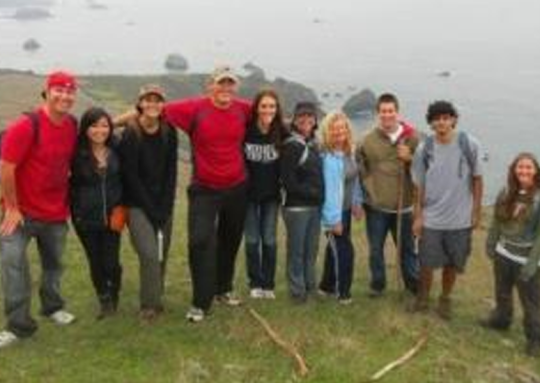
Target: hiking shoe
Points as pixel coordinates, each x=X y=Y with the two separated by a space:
x=195 y=315
x=269 y=294
x=256 y=293
x=228 y=299
x=444 y=308
x=107 y=309
x=148 y=316
x=7 y=338
x=418 y=305
x=62 y=318
x=533 y=349
x=325 y=294
x=374 y=294
x=491 y=323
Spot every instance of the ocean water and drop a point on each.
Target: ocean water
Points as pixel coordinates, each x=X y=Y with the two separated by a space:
x=491 y=50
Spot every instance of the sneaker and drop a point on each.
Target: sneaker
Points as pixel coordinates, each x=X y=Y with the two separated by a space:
x=269 y=294
x=256 y=293
x=345 y=301
x=148 y=316
x=107 y=309
x=444 y=309
x=62 y=318
x=228 y=299
x=195 y=315
x=7 y=338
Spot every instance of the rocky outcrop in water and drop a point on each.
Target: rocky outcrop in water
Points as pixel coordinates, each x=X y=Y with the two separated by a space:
x=362 y=103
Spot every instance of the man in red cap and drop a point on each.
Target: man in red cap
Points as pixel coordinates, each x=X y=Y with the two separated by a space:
x=36 y=152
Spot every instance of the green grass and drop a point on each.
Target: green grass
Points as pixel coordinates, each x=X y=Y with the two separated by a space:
x=341 y=344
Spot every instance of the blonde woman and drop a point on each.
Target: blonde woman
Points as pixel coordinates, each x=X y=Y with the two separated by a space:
x=342 y=200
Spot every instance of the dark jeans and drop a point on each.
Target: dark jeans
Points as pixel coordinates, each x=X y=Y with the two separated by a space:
x=378 y=224
x=339 y=261
x=215 y=226
x=16 y=279
x=507 y=275
x=260 y=242
x=102 y=248
x=303 y=232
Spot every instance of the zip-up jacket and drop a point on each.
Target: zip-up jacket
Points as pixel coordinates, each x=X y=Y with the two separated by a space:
x=93 y=194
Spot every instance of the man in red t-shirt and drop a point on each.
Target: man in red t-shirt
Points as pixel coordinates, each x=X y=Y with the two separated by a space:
x=216 y=125
x=36 y=153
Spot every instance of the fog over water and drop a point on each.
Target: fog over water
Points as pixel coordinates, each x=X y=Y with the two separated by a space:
x=491 y=50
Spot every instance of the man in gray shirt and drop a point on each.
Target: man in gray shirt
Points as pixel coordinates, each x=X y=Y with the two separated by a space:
x=448 y=176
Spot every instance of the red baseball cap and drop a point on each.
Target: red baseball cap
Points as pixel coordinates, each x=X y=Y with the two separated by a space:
x=61 y=79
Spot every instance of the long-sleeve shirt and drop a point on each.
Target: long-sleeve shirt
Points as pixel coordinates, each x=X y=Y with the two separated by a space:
x=517 y=238
x=150 y=172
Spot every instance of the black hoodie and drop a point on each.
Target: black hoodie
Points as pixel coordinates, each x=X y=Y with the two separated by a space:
x=262 y=161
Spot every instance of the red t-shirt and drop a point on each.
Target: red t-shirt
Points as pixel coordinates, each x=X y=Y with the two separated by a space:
x=43 y=165
x=216 y=136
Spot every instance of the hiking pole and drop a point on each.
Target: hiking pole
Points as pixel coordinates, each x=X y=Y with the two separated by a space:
x=399 y=225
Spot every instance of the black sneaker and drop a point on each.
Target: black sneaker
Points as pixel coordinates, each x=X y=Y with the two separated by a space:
x=492 y=324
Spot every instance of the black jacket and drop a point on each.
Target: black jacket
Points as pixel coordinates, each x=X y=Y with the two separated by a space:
x=150 y=164
x=94 y=194
x=262 y=162
x=301 y=172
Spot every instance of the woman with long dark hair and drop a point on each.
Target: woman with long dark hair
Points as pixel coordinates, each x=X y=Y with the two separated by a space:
x=149 y=153
x=261 y=147
x=96 y=190
x=514 y=246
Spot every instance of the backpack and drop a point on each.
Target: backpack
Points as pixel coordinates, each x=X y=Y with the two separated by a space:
x=34 y=119
x=464 y=145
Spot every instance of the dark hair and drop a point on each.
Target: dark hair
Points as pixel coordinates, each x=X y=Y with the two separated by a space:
x=89 y=118
x=440 y=108
x=277 y=127
x=387 y=98
x=504 y=209
x=305 y=107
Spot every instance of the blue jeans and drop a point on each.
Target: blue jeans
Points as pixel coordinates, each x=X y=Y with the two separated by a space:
x=303 y=232
x=260 y=242
x=339 y=261
x=15 y=270
x=378 y=224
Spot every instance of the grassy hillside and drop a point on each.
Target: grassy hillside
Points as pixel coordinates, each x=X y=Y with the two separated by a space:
x=341 y=344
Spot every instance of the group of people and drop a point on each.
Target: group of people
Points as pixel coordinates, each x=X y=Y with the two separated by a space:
x=248 y=164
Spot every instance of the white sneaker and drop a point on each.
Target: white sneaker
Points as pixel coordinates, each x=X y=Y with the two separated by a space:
x=7 y=338
x=62 y=318
x=229 y=299
x=195 y=315
x=256 y=293
x=269 y=294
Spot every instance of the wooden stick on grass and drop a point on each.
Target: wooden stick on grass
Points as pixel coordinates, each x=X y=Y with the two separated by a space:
x=301 y=365
x=402 y=360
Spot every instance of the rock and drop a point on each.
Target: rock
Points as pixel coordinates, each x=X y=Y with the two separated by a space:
x=27 y=14
x=31 y=45
x=444 y=74
x=364 y=102
x=254 y=71
x=326 y=95
x=95 y=6
x=176 y=62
